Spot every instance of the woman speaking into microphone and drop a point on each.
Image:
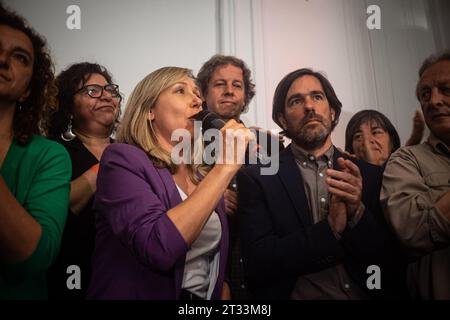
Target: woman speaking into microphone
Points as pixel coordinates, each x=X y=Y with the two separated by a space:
x=161 y=227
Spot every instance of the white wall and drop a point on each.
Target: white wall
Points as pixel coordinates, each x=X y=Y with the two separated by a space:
x=368 y=68
x=439 y=11
x=374 y=69
x=131 y=38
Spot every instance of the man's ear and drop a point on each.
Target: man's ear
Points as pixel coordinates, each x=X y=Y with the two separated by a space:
x=333 y=117
x=282 y=120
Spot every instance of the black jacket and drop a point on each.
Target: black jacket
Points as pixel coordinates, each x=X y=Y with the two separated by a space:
x=280 y=241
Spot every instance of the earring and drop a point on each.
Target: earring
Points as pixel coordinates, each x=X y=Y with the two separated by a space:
x=151 y=128
x=68 y=135
x=19 y=106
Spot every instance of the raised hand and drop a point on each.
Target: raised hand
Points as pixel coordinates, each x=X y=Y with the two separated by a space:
x=418 y=129
x=337 y=214
x=231 y=202
x=348 y=154
x=235 y=139
x=346 y=185
x=372 y=155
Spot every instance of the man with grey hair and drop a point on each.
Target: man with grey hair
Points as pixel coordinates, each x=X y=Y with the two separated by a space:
x=416 y=187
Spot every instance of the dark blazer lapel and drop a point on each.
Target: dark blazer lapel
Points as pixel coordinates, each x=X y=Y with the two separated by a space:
x=292 y=180
x=336 y=155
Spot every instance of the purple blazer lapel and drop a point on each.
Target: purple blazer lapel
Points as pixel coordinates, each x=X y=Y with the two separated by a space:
x=170 y=194
x=223 y=249
x=172 y=198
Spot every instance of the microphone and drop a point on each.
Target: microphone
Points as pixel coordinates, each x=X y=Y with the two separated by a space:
x=211 y=120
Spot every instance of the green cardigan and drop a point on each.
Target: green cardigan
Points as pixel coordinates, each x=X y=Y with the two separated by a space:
x=38 y=175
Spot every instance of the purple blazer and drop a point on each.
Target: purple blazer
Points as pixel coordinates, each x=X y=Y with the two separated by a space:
x=139 y=253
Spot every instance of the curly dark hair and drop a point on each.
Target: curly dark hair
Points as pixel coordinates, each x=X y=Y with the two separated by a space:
x=369 y=116
x=69 y=82
x=33 y=115
x=279 y=98
x=206 y=71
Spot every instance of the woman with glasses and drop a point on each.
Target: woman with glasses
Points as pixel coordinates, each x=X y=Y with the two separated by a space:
x=89 y=107
x=162 y=231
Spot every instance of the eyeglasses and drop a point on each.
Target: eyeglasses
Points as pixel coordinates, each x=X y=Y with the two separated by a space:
x=96 y=91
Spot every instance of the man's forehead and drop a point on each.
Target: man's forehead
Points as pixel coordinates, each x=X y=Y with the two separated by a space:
x=16 y=38
x=436 y=74
x=231 y=71
x=305 y=84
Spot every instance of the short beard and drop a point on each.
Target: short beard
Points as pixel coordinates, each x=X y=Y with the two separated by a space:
x=311 y=141
x=308 y=140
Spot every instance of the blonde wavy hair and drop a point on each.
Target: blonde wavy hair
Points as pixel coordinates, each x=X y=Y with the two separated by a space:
x=136 y=129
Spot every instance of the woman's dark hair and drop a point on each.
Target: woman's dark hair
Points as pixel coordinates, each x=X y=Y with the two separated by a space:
x=69 y=82
x=282 y=89
x=31 y=117
x=370 y=116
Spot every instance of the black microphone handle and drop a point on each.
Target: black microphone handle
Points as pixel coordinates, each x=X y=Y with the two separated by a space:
x=212 y=120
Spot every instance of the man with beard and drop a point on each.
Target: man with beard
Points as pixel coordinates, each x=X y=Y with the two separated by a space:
x=416 y=188
x=315 y=229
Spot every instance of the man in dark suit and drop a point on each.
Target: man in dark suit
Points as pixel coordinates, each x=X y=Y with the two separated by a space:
x=314 y=230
